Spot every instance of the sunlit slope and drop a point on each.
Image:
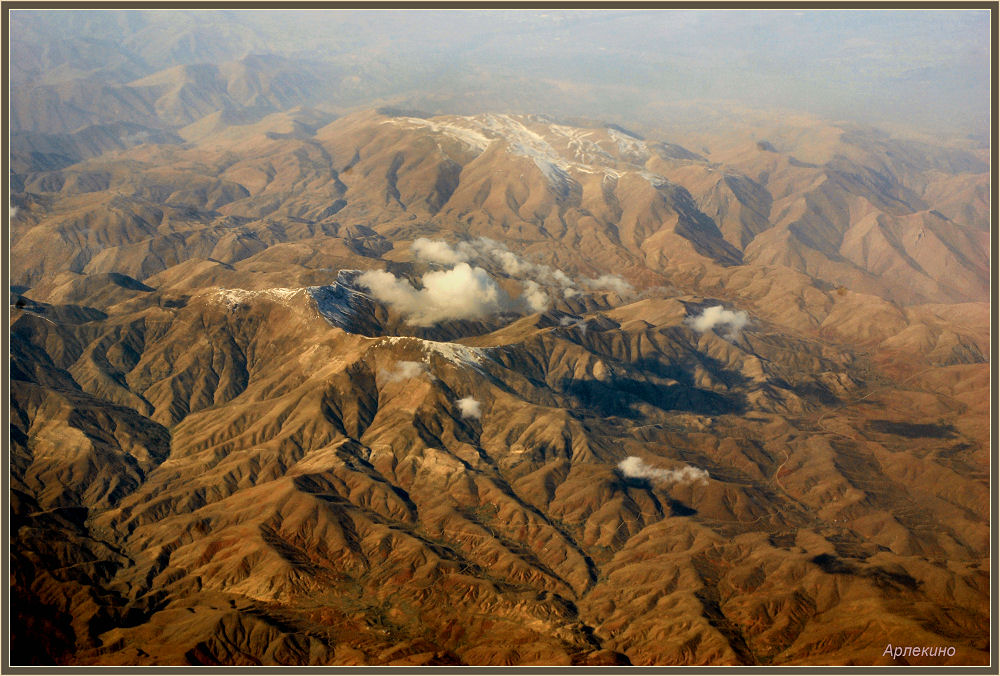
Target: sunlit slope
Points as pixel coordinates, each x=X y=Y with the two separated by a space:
x=358 y=391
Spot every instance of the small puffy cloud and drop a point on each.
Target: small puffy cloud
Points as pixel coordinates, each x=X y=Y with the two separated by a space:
x=512 y=264
x=635 y=468
x=13 y=212
x=609 y=283
x=470 y=408
x=463 y=292
x=405 y=370
x=489 y=252
x=390 y=289
x=437 y=251
x=575 y=323
x=559 y=277
x=534 y=297
x=486 y=249
x=717 y=315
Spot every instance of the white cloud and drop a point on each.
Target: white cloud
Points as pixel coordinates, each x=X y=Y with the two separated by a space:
x=437 y=251
x=575 y=323
x=534 y=297
x=470 y=408
x=13 y=212
x=560 y=278
x=609 y=283
x=512 y=264
x=517 y=267
x=635 y=468
x=489 y=250
x=389 y=289
x=405 y=370
x=718 y=316
x=463 y=292
x=480 y=251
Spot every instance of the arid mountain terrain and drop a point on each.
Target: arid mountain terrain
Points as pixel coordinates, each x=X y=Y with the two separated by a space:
x=303 y=375
x=391 y=388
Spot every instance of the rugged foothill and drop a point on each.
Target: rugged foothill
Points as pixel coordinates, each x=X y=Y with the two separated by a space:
x=399 y=389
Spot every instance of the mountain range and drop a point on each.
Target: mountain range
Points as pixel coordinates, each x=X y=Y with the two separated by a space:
x=290 y=386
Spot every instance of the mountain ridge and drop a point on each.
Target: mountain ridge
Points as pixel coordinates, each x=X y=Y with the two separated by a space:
x=672 y=409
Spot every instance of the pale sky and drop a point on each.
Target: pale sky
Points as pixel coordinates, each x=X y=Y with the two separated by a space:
x=924 y=68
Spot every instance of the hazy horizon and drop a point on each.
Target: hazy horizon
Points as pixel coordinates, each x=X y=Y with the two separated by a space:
x=923 y=69
x=425 y=339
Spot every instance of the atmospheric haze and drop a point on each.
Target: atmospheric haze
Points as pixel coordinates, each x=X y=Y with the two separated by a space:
x=525 y=337
x=925 y=69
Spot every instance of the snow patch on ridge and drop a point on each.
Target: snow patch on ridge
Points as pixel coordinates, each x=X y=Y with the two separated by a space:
x=628 y=146
x=527 y=143
x=460 y=355
x=584 y=150
x=479 y=132
x=655 y=180
x=472 y=138
x=338 y=304
x=234 y=297
x=584 y=155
